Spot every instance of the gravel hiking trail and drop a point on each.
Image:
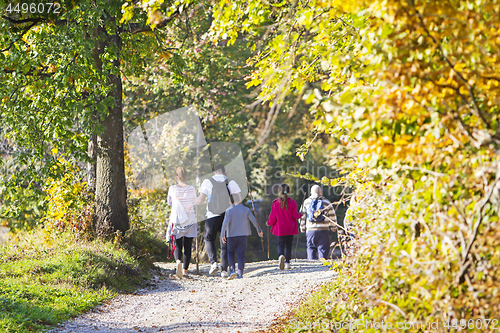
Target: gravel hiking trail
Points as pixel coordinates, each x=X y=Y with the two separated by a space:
x=202 y=303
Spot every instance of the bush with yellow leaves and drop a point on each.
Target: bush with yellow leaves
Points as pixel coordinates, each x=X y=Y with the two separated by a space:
x=69 y=205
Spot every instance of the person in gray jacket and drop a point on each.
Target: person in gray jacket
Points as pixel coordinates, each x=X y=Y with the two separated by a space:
x=318 y=236
x=235 y=231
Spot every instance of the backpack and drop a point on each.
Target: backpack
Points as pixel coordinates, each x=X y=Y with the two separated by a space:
x=178 y=215
x=218 y=202
x=316 y=204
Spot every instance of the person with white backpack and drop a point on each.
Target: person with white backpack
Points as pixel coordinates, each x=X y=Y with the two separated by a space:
x=319 y=217
x=182 y=228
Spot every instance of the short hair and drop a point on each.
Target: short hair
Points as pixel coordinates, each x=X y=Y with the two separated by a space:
x=315 y=191
x=181 y=173
x=219 y=167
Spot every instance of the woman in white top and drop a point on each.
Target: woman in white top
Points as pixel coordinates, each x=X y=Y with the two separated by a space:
x=187 y=230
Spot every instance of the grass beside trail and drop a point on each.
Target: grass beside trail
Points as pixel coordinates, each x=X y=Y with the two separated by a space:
x=312 y=315
x=47 y=279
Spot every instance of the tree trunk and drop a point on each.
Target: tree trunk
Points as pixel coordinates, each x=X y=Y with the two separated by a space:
x=111 y=192
x=92 y=166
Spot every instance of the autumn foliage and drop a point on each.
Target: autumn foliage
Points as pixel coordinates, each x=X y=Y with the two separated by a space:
x=68 y=205
x=410 y=90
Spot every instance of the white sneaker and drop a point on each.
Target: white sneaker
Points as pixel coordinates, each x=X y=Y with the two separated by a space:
x=224 y=274
x=178 y=270
x=281 y=260
x=213 y=269
x=288 y=266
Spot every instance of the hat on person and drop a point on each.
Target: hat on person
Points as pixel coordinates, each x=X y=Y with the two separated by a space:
x=315 y=191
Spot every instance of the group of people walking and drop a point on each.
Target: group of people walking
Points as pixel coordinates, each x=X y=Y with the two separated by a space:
x=227 y=216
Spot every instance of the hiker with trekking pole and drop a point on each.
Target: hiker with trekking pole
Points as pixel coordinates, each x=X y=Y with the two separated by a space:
x=183 y=227
x=318 y=219
x=283 y=219
x=221 y=192
x=255 y=212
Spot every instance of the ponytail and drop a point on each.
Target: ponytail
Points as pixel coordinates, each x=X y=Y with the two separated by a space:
x=284 y=189
x=181 y=174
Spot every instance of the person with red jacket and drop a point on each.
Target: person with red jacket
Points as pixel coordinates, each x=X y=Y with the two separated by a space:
x=283 y=219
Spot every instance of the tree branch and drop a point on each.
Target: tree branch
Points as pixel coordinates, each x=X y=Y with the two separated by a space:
x=394 y=306
x=465 y=262
x=162 y=24
x=31 y=19
x=31 y=72
x=69 y=63
x=476 y=108
x=20 y=37
x=35 y=20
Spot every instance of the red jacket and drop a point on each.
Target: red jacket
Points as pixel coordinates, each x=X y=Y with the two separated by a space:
x=284 y=221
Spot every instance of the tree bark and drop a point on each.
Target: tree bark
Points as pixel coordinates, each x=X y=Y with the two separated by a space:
x=92 y=166
x=92 y=152
x=111 y=192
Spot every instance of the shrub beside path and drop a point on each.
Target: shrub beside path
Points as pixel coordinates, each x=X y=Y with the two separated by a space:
x=204 y=303
x=3 y=234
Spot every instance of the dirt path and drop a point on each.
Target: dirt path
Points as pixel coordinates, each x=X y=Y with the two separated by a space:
x=204 y=303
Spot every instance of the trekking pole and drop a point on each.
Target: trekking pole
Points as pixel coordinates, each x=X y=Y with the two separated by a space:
x=297 y=243
x=197 y=258
x=197 y=255
x=297 y=246
x=268 y=232
x=196 y=243
x=197 y=164
x=255 y=213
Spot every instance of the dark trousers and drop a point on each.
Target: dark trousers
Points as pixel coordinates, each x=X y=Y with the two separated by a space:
x=186 y=243
x=285 y=247
x=212 y=227
x=236 y=245
x=318 y=244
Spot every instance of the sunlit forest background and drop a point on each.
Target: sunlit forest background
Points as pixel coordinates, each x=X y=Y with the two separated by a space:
x=391 y=106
